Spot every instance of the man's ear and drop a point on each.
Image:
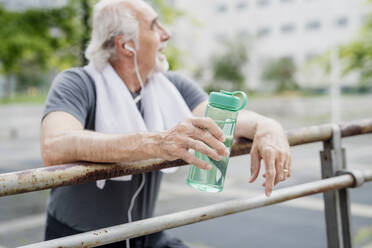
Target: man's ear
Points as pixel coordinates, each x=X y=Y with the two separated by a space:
x=119 y=44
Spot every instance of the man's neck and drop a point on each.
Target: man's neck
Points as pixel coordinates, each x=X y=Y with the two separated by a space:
x=128 y=74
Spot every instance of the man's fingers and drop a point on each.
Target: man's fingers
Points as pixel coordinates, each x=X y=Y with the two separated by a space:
x=268 y=157
x=191 y=159
x=208 y=123
x=279 y=164
x=203 y=148
x=255 y=164
x=289 y=165
x=210 y=140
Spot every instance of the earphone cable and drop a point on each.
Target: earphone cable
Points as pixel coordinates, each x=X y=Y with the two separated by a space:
x=132 y=204
x=143 y=174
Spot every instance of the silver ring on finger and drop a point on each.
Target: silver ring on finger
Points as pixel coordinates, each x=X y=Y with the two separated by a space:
x=285 y=173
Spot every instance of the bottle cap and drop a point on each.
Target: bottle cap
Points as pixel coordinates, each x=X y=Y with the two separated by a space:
x=228 y=100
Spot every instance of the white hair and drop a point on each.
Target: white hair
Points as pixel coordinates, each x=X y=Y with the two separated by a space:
x=110 y=18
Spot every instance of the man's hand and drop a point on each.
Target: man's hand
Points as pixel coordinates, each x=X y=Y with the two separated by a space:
x=270 y=144
x=198 y=133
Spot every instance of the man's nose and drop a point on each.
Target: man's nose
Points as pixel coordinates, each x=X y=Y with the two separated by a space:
x=165 y=34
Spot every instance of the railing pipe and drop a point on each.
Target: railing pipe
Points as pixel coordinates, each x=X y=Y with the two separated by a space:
x=324 y=132
x=156 y=224
x=62 y=175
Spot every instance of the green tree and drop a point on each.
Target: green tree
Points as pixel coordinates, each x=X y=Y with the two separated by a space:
x=281 y=72
x=85 y=7
x=38 y=38
x=358 y=53
x=227 y=67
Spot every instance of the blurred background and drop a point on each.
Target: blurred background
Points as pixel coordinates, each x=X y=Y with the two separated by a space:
x=302 y=62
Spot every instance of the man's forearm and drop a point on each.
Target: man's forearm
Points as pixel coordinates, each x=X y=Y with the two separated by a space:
x=83 y=145
x=246 y=125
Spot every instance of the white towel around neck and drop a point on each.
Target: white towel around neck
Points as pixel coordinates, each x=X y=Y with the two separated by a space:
x=116 y=112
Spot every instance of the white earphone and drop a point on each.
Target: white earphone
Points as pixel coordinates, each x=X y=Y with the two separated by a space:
x=126 y=46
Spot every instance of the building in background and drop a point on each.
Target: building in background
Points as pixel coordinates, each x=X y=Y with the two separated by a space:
x=272 y=29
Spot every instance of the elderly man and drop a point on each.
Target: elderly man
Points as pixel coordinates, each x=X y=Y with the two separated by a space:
x=125 y=107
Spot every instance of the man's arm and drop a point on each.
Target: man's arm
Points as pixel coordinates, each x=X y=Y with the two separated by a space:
x=269 y=143
x=63 y=140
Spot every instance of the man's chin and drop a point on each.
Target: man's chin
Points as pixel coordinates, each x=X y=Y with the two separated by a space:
x=161 y=65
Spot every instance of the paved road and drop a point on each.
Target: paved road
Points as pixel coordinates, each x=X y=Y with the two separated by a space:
x=298 y=223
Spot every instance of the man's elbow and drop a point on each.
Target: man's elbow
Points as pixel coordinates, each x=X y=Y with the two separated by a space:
x=46 y=154
x=50 y=152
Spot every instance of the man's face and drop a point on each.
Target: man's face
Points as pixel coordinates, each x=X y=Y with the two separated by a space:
x=152 y=39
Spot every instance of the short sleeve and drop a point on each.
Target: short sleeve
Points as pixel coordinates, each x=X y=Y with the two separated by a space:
x=71 y=92
x=191 y=92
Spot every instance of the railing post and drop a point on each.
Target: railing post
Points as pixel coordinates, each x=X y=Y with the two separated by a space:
x=336 y=203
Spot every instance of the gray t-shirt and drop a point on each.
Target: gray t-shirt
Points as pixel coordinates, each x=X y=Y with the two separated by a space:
x=84 y=207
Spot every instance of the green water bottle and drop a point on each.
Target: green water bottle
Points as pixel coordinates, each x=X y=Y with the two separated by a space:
x=223 y=108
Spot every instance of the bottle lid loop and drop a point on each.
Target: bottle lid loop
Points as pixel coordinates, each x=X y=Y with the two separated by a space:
x=228 y=100
x=244 y=99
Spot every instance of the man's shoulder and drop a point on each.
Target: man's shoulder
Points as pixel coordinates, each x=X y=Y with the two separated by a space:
x=74 y=73
x=176 y=77
x=72 y=92
x=74 y=77
x=73 y=84
x=180 y=80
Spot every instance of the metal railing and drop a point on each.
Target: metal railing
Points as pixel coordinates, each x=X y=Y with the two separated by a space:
x=336 y=180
